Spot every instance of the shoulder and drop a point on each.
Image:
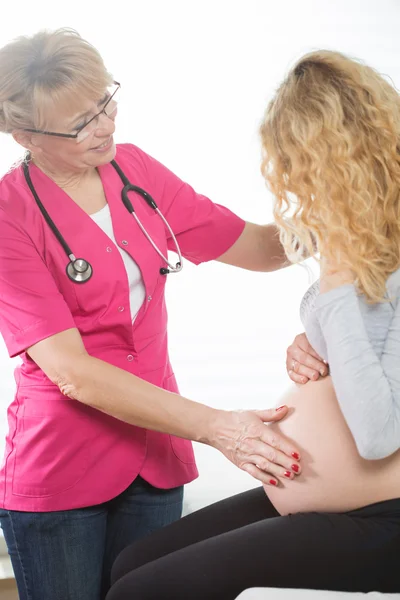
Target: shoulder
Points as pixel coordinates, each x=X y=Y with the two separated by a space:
x=15 y=198
x=130 y=155
x=128 y=152
x=393 y=287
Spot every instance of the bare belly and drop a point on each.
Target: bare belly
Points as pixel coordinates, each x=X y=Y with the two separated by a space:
x=334 y=477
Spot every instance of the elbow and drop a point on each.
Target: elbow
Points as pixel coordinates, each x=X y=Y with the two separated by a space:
x=68 y=388
x=69 y=380
x=374 y=450
x=368 y=453
x=380 y=440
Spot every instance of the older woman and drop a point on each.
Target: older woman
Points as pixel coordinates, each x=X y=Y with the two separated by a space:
x=332 y=159
x=97 y=450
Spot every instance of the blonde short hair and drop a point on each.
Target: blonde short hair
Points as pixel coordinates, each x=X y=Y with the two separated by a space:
x=45 y=71
x=331 y=157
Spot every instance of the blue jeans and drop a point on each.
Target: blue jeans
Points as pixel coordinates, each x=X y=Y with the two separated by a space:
x=68 y=555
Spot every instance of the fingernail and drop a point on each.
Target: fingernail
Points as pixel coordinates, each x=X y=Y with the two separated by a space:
x=295 y=468
x=325 y=361
x=280 y=407
x=273 y=482
x=296 y=455
x=287 y=474
x=322 y=371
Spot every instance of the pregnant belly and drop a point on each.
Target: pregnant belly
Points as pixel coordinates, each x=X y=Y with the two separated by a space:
x=334 y=477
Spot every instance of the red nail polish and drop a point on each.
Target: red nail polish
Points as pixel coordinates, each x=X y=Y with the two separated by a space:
x=296 y=455
x=295 y=468
x=287 y=474
x=280 y=407
x=273 y=482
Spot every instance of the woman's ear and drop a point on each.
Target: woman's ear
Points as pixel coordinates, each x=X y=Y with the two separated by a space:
x=27 y=140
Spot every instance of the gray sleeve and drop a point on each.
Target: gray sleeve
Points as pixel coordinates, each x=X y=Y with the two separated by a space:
x=367 y=387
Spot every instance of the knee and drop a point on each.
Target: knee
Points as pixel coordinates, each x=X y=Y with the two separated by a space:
x=140 y=553
x=123 y=564
x=117 y=592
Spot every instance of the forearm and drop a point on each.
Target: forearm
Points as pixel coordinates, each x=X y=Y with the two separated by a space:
x=257 y=249
x=272 y=254
x=133 y=400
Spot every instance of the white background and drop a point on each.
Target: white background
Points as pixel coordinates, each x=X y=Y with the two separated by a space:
x=196 y=77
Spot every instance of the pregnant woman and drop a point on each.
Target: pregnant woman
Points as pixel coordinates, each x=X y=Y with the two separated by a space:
x=332 y=160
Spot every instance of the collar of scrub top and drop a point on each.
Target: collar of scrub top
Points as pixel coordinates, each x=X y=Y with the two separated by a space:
x=79 y=270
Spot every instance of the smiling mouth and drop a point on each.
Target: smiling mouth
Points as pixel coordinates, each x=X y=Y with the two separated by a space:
x=103 y=145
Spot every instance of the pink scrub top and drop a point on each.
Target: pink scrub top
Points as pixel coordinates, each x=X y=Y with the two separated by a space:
x=61 y=454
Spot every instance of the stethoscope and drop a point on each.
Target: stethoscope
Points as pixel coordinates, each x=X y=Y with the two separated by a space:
x=79 y=270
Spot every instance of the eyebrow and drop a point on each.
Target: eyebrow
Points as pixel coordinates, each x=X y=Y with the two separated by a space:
x=88 y=112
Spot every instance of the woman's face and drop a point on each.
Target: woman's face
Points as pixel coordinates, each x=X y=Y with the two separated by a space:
x=94 y=146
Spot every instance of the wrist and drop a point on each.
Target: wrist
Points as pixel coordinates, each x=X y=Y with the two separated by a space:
x=205 y=426
x=214 y=427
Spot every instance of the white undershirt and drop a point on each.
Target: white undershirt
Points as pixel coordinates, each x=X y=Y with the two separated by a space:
x=137 y=290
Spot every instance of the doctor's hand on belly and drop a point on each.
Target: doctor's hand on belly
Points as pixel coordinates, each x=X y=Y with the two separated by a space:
x=255 y=448
x=303 y=364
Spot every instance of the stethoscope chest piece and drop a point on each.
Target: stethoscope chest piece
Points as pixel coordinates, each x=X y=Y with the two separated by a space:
x=79 y=270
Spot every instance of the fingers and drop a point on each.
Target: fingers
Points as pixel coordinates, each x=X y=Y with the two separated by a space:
x=303 y=363
x=270 y=444
x=268 y=472
x=304 y=344
x=275 y=470
x=271 y=414
x=245 y=439
x=301 y=378
x=301 y=373
x=300 y=358
x=274 y=450
x=260 y=475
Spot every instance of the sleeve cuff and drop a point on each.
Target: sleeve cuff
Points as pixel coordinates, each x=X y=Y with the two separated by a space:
x=21 y=340
x=215 y=243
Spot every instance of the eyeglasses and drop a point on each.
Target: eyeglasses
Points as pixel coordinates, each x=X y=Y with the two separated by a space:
x=83 y=131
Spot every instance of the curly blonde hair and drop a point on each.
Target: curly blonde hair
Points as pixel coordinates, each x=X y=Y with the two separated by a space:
x=331 y=157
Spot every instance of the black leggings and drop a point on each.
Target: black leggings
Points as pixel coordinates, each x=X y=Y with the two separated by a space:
x=242 y=542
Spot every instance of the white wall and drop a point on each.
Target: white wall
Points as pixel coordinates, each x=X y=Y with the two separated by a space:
x=196 y=77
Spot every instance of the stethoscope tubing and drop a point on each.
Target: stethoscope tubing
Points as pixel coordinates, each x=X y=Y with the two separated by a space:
x=83 y=274
x=46 y=215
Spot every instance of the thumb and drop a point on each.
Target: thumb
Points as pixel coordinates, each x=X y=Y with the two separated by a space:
x=272 y=414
